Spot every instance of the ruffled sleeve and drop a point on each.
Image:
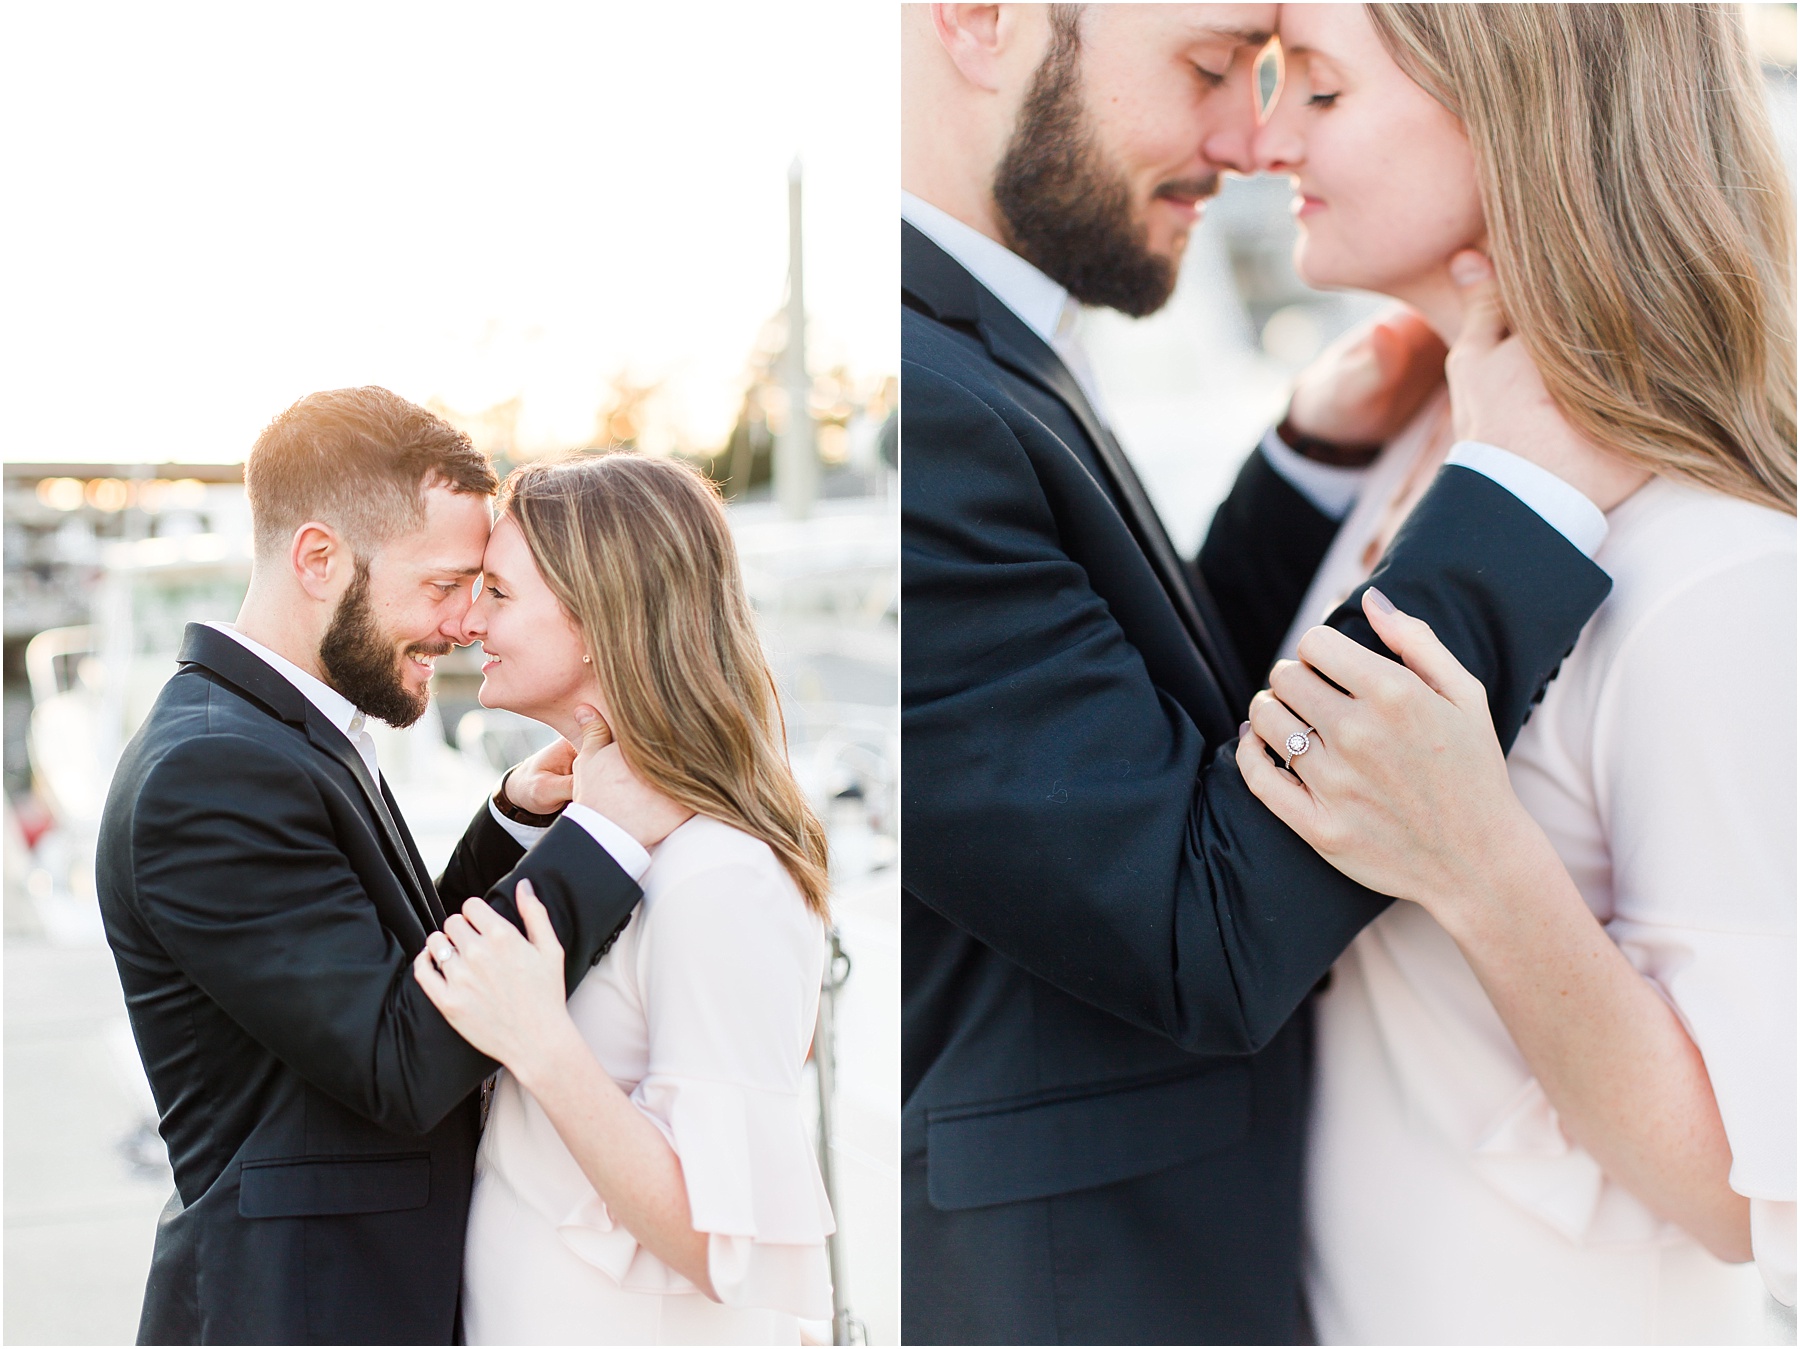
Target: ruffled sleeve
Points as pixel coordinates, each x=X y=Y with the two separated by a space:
x=1698 y=733
x=728 y=963
x=1694 y=782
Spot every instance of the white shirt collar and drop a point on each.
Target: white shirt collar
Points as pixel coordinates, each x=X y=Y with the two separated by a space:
x=1041 y=304
x=337 y=709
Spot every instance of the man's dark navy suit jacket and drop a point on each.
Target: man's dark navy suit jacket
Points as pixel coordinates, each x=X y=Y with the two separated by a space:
x=1108 y=942
x=264 y=902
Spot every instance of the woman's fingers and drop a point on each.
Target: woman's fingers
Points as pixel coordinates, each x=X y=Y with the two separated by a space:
x=478 y=914
x=1274 y=722
x=459 y=930
x=1416 y=644
x=431 y=978
x=1286 y=797
x=1346 y=662
x=537 y=920
x=1307 y=696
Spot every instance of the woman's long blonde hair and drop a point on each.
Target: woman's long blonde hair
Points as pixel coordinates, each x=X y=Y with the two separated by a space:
x=638 y=551
x=1640 y=219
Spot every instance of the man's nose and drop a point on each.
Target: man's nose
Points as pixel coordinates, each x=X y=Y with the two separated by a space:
x=464 y=624
x=1230 y=148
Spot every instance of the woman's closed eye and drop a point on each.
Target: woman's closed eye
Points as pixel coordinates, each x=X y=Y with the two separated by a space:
x=1321 y=100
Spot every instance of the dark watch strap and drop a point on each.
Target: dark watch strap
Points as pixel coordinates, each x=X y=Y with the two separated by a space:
x=1325 y=451
x=518 y=814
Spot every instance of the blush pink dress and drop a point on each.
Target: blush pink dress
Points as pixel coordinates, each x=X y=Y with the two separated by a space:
x=1445 y=1205
x=702 y=1011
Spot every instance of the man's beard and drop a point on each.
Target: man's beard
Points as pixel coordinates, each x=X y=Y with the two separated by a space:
x=1065 y=208
x=359 y=660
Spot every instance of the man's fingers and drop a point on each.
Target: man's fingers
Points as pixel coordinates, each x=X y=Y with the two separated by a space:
x=1418 y=646
x=1483 y=322
x=596 y=735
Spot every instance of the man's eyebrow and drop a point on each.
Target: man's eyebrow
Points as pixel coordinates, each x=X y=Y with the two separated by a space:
x=1250 y=36
x=451 y=569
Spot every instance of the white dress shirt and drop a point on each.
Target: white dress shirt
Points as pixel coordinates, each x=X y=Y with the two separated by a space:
x=343 y=714
x=1049 y=311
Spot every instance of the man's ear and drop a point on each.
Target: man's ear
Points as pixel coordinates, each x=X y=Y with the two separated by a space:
x=319 y=559
x=975 y=36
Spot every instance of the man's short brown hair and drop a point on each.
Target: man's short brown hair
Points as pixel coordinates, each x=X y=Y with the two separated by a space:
x=360 y=461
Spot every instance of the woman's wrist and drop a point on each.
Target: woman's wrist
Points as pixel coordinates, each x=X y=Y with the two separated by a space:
x=1508 y=878
x=554 y=1056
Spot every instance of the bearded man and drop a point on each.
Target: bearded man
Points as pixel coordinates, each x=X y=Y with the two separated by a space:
x=1108 y=942
x=264 y=899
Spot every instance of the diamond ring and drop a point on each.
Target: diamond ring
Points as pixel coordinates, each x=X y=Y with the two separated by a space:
x=1297 y=744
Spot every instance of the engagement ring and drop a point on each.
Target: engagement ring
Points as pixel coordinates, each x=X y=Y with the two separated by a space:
x=1297 y=744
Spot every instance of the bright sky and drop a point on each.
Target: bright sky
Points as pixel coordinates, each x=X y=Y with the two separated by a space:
x=212 y=210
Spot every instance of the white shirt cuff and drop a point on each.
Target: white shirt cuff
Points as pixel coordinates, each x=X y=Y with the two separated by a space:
x=523 y=834
x=1333 y=490
x=619 y=845
x=633 y=860
x=1562 y=507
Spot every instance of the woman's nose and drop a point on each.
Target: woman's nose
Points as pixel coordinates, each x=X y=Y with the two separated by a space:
x=1276 y=147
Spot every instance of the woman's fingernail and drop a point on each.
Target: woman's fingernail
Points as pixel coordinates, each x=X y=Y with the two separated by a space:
x=1381 y=601
x=1243 y=726
x=583 y=715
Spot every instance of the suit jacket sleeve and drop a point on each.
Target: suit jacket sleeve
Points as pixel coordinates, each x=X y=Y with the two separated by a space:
x=1067 y=813
x=1264 y=544
x=242 y=880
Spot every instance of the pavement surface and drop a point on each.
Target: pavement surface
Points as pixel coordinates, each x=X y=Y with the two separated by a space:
x=86 y=1176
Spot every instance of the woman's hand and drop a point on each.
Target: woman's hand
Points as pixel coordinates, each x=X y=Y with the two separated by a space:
x=1498 y=396
x=499 y=991
x=504 y=995
x=1403 y=786
x=1404 y=789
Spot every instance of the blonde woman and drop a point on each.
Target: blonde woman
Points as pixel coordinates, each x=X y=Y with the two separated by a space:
x=645 y=1176
x=1555 y=1096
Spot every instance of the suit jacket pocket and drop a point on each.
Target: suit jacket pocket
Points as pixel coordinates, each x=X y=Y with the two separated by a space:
x=1003 y=1152
x=310 y=1187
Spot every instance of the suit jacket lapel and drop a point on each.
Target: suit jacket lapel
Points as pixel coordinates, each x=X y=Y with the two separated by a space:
x=421 y=872
x=201 y=645
x=1017 y=347
x=335 y=743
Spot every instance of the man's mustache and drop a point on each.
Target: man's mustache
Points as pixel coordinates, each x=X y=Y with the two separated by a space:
x=1190 y=188
x=429 y=649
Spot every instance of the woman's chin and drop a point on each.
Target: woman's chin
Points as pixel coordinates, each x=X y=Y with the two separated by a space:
x=490 y=697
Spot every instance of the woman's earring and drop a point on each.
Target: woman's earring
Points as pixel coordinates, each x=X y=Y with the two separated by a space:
x=587 y=660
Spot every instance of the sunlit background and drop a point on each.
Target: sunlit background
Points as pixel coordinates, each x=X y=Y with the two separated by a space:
x=562 y=227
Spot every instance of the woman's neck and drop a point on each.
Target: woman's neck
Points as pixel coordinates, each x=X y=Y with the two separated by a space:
x=1437 y=300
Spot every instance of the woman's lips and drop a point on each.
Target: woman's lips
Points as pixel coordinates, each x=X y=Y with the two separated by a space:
x=1305 y=205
